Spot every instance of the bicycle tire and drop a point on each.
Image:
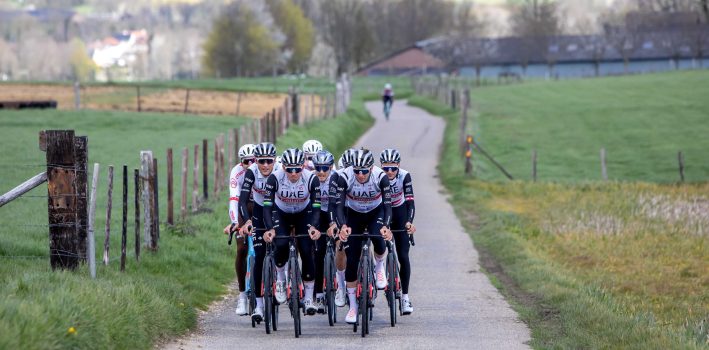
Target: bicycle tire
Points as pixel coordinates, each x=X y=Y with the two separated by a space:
x=364 y=297
x=294 y=295
x=267 y=292
x=251 y=294
x=329 y=281
x=391 y=287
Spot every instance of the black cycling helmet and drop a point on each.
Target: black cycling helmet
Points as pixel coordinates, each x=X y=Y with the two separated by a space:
x=348 y=157
x=390 y=155
x=323 y=158
x=265 y=149
x=293 y=157
x=363 y=159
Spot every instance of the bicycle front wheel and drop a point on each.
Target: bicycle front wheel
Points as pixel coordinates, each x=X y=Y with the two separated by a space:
x=330 y=287
x=364 y=297
x=391 y=288
x=267 y=292
x=295 y=295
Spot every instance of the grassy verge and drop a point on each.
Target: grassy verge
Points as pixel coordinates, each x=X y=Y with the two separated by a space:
x=154 y=299
x=589 y=265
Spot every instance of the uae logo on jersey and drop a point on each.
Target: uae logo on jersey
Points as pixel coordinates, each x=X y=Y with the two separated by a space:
x=232 y=183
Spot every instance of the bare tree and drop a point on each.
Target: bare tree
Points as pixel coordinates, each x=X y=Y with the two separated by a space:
x=536 y=22
x=622 y=36
x=345 y=29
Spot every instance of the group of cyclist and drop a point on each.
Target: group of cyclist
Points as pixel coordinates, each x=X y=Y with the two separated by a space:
x=303 y=191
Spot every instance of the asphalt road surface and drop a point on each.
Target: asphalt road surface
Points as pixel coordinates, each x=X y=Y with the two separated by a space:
x=455 y=304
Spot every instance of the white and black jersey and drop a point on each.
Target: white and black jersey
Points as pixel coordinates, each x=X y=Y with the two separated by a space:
x=364 y=197
x=402 y=193
x=285 y=197
x=254 y=184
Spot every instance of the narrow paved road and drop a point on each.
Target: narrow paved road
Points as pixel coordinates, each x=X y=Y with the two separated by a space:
x=456 y=306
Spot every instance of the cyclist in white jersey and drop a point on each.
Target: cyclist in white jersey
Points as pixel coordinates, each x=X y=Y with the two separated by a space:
x=311 y=147
x=236 y=179
x=402 y=217
x=368 y=206
x=255 y=183
x=292 y=200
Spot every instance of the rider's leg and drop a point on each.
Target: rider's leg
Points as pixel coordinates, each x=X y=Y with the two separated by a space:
x=320 y=255
x=401 y=240
x=306 y=247
x=259 y=248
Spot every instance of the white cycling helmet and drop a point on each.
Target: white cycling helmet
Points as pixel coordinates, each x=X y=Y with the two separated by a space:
x=246 y=151
x=387 y=86
x=311 y=147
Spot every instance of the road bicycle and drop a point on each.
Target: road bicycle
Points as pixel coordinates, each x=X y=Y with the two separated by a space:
x=366 y=292
x=250 y=263
x=330 y=281
x=387 y=109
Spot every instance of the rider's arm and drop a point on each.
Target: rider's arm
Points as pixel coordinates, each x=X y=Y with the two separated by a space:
x=314 y=188
x=386 y=199
x=333 y=197
x=234 y=190
x=340 y=202
x=409 y=198
x=249 y=179
x=268 y=199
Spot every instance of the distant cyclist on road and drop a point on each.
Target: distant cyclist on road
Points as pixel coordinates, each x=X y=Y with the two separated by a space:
x=387 y=99
x=368 y=206
x=292 y=199
x=403 y=210
x=236 y=180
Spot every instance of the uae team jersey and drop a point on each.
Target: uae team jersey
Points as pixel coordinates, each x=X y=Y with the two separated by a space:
x=401 y=188
x=236 y=180
x=367 y=196
x=292 y=197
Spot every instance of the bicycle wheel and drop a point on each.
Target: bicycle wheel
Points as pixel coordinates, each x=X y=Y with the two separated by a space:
x=329 y=290
x=391 y=287
x=364 y=297
x=295 y=296
x=274 y=317
x=267 y=291
x=252 y=289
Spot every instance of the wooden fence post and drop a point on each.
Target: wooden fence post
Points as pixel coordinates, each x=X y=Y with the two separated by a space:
x=146 y=162
x=187 y=101
x=124 y=239
x=464 y=118
x=468 y=155
x=91 y=253
x=137 y=92
x=109 y=205
x=170 y=196
x=238 y=102
x=62 y=199
x=680 y=160
x=216 y=166
x=183 y=204
x=274 y=132
x=136 y=177
x=77 y=96
x=604 y=171
x=205 y=174
x=82 y=172
x=195 y=182
x=231 y=148
x=156 y=205
x=534 y=165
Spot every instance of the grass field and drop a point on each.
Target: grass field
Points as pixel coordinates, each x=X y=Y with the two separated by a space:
x=590 y=264
x=156 y=298
x=642 y=122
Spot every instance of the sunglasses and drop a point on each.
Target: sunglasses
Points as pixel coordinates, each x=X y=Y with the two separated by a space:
x=294 y=170
x=248 y=161
x=309 y=157
x=265 y=161
x=391 y=169
x=364 y=171
x=322 y=168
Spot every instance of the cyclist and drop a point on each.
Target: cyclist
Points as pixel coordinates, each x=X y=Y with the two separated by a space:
x=236 y=179
x=337 y=196
x=255 y=184
x=292 y=199
x=402 y=217
x=323 y=162
x=311 y=147
x=368 y=206
x=387 y=98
